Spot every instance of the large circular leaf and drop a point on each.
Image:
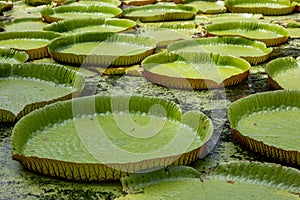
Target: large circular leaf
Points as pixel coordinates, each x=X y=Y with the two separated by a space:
x=26 y=87
x=194 y=70
x=284 y=73
x=106 y=137
x=270 y=34
x=102 y=49
x=233 y=180
x=268 y=123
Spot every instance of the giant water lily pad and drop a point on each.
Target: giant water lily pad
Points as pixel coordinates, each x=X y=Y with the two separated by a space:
x=284 y=73
x=26 y=87
x=101 y=49
x=34 y=43
x=253 y=51
x=265 y=7
x=23 y=10
x=194 y=70
x=24 y=24
x=79 y=11
x=38 y=2
x=229 y=17
x=270 y=34
x=90 y=25
x=207 y=7
x=160 y=12
x=8 y=55
x=233 y=180
x=116 y=3
x=107 y=137
x=268 y=123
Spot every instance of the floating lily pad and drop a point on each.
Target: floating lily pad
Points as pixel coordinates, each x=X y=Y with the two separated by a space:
x=138 y=2
x=160 y=12
x=34 y=43
x=253 y=51
x=38 y=2
x=207 y=7
x=23 y=10
x=284 y=73
x=270 y=34
x=194 y=70
x=265 y=7
x=26 y=87
x=230 y=17
x=90 y=25
x=268 y=123
x=5 y=6
x=294 y=33
x=235 y=180
x=107 y=137
x=166 y=36
x=8 y=55
x=101 y=49
x=116 y=3
x=24 y=24
x=79 y=11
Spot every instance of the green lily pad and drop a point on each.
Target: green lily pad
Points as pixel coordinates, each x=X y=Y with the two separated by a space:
x=284 y=73
x=116 y=3
x=160 y=12
x=234 y=180
x=234 y=17
x=270 y=34
x=24 y=24
x=101 y=49
x=34 y=43
x=194 y=70
x=23 y=10
x=268 y=123
x=294 y=33
x=90 y=25
x=26 y=87
x=107 y=137
x=138 y=2
x=253 y=51
x=79 y=11
x=11 y=56
x=38 y=2
x=207 y=7
x=265 y=7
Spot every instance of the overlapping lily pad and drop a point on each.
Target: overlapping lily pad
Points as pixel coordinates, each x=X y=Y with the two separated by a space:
x=8 y=55
x=270 y=34
x=253 y=51
x=79 y=11
x=284 y=73
x=107 y=137
x=207 y=7
x=38 y=2
x=229 y=17
x=116 y=3
x=101 y=49
x=160 y=12
x=234 y=180
x=89 y=25
x=265 y=7
x=34 y=43
x=24 y=24
x=194 y=70
x=138 y=2
x=26 y=87
x=268 y=123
